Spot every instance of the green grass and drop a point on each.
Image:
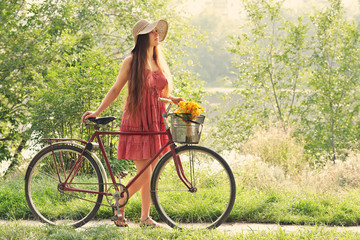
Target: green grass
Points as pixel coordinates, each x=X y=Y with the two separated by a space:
x=292 y=207
x=18 y=231
x=279 y=205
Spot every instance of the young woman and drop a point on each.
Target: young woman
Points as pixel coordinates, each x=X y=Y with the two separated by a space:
x=148 y=78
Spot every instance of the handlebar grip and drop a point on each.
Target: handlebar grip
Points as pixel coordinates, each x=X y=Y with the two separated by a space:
x=164 y=100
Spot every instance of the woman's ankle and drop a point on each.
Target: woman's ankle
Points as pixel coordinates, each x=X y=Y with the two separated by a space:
x=149 y=222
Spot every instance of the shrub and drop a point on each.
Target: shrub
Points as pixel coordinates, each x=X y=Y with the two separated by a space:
x=337 y=177
x=276 y=147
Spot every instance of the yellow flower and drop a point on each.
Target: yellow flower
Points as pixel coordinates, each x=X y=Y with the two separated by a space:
x=191 y=107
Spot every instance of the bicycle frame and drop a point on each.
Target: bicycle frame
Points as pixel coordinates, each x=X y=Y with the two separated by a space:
x=65 y=186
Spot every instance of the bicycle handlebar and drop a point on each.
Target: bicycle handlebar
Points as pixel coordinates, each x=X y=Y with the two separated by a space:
x=165 y=100
x=166 y=113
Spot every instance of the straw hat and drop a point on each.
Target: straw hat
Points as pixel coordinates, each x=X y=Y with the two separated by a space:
x=143 y=27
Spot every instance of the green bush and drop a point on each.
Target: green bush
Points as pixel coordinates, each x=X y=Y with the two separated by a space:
x=12 y=198
x=276 y=147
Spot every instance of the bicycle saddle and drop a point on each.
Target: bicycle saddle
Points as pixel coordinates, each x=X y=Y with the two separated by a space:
x=102 y=120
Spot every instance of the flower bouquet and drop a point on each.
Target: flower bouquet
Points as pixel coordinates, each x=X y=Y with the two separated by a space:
x=188 y=112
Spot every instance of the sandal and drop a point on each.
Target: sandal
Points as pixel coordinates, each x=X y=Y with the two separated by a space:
x=153 y=224
x=116 y=219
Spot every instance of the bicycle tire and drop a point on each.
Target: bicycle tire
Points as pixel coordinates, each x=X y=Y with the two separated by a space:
x=211 y=203
x=56 y=207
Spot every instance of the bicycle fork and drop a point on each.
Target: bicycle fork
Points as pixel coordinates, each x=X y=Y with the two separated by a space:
x=181 y=174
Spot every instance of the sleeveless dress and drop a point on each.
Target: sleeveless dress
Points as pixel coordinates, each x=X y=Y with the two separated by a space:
x=141 y=147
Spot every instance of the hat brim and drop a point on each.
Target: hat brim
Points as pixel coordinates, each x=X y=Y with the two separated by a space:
x=162 y=27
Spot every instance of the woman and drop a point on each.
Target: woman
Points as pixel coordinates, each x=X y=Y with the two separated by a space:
x=148 y=78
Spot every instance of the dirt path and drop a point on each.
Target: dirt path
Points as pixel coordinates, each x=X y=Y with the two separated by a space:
x=225 y=227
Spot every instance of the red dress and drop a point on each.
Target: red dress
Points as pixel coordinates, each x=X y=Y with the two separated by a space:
x=144 y=147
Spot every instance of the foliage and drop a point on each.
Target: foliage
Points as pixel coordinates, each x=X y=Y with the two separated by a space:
x=59 y=59
x=268 y=59
x=31 y=41
x=332 y=107
x=300 y=73
x=276 y=147
x=20 y=52
x=57 y=106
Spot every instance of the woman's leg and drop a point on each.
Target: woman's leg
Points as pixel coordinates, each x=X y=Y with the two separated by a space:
x=145 y=187
x=142 y=184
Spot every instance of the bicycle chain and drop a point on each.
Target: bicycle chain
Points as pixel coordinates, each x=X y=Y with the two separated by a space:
x=106 y=195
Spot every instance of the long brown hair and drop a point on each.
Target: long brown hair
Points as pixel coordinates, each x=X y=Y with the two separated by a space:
x=164 y=68
x=137 y=81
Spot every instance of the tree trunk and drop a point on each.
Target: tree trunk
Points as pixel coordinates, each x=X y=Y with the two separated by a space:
x=15 y=162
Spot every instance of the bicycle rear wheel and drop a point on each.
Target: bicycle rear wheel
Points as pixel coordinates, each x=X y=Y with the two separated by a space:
x=212 y=199
x=51 y=204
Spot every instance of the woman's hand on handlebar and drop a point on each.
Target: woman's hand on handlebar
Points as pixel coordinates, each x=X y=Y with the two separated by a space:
x=88 y=114
x=176 y=100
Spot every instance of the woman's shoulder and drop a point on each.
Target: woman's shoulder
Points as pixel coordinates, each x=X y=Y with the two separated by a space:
x=128 y=60
x=126 y=63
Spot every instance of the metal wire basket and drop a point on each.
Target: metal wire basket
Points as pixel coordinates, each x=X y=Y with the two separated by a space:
x=186 y=131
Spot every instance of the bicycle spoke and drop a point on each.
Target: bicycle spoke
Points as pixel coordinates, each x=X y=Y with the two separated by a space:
x=56 y=206
x=48 y=175
x=211 y=199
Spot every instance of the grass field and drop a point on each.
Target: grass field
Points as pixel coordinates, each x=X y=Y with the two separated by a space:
x=17 y=231
x=272 y=187
x=265 y=193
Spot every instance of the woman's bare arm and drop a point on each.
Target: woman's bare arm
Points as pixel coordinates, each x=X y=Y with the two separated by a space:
x=114 y=91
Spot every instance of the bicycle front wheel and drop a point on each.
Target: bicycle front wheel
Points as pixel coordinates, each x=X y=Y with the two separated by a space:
x=45 y=196
x=210 y=201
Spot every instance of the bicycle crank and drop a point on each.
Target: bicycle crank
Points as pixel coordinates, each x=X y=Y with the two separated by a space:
x=114 y=193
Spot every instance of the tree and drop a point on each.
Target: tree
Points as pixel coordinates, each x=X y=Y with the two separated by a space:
x=59 y=58
x=333 y=104
x=305 y=75
x=269 y=59
x=22 y=53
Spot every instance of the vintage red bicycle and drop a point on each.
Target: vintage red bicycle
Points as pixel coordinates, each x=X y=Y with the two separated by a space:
x=191 y=186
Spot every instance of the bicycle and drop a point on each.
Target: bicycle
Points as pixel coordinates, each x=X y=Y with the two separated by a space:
x=191 y=186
